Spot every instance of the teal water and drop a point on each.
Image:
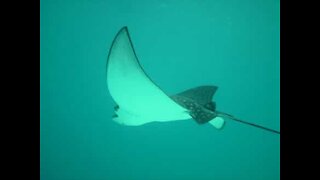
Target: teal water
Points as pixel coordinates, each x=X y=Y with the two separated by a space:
x=181 y=44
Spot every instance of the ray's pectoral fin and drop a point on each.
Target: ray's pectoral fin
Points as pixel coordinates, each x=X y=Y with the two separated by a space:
x=139 y=100
x=199 y=102
x=202 y=95
x=201 y=117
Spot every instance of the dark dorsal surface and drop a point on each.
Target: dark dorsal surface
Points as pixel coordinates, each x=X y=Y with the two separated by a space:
x=211 y=106
x=202 y=94
x=199 y=103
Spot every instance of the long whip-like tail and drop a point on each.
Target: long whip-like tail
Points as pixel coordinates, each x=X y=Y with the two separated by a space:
x=222 y=114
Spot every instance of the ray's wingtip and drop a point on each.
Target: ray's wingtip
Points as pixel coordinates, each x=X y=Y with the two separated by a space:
x=124 y=28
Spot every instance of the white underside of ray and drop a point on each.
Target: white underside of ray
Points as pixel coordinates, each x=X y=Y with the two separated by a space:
x=217 y=122
x=139 y=99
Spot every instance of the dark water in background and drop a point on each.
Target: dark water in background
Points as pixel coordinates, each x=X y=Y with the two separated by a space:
x=181 y=44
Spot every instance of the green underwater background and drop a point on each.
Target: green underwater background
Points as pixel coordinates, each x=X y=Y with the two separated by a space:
x=181 y=44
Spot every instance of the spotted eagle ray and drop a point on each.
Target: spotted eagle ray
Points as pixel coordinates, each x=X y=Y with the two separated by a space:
x=139 y=100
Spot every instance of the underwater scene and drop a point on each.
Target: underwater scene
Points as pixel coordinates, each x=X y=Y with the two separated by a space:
x=159 y=89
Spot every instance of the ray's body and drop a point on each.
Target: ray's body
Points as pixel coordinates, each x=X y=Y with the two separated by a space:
x=140 y=101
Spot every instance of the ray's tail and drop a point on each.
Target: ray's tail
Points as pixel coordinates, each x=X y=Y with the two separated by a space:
x=222 y=114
